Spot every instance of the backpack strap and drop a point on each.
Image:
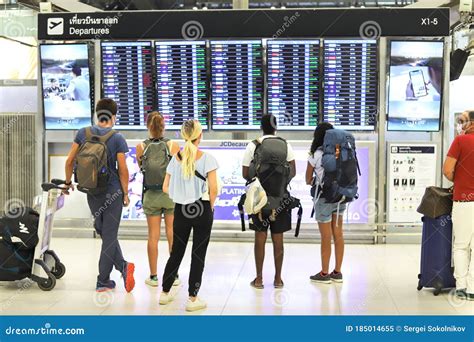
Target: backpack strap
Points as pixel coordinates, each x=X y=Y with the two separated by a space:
x=241 y=210
x=196 y=172
x=298 y=223
x=198 y=175
x=357 y=162
x=89 y=133
x=104 y=138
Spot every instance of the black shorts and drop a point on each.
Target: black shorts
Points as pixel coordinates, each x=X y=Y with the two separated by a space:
x=281 y=224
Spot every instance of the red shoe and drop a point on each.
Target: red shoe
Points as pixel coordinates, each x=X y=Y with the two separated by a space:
x=127 y=275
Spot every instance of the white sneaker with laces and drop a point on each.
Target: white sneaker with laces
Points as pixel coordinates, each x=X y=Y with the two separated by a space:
x=151 y=282
x=198 y=304
x=166 y=298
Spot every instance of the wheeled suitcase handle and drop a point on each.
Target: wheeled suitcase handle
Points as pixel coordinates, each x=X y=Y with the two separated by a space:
x=48 y=186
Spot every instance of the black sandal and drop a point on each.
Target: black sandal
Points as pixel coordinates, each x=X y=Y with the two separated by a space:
x=279 y=286
x=255 y=286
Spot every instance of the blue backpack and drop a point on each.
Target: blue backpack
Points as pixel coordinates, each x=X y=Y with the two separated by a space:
x=341 y=167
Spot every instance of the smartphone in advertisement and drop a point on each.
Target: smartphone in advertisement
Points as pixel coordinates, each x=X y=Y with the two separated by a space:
x=418 y=83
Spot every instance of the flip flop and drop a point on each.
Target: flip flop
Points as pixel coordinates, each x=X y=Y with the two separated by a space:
x=258 y=287
x=279 y=286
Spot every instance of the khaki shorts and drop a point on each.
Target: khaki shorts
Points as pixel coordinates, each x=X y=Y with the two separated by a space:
x=157 y=203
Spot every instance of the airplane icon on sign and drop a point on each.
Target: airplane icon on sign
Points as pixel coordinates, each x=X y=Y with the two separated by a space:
x=55 y=26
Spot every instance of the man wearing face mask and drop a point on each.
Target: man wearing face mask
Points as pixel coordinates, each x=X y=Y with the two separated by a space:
x=459 y=168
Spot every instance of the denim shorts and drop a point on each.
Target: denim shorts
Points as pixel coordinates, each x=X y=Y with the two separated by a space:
x=323 y=211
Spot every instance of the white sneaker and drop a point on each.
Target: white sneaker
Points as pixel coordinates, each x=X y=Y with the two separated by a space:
x=151 y=282
x=176 y=282
x=198 y=304
x=166 y=298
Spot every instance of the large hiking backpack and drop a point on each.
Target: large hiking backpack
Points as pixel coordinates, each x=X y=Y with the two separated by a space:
x=20 y=227
x=341 y=167
x=155 y=160
x=91 y=171
x=271 y=167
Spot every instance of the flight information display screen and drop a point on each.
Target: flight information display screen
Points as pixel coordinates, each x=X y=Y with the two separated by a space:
x=127 y=74
x=237 y=84
x=293 y=83
x=181 y=82
x=350 y=83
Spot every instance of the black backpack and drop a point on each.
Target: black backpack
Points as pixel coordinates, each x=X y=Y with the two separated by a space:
x=271 y=167
x=20 y=227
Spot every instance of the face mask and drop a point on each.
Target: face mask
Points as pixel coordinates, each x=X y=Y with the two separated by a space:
x=459 y=129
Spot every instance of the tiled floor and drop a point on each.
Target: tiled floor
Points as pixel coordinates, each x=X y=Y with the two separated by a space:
x=379 y=280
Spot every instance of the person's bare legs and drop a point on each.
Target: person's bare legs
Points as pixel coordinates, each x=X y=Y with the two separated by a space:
x=278 y=254
x=325 y=230
x=259 y=250
x=154 y=223
x=336 y=227
x=169 y=218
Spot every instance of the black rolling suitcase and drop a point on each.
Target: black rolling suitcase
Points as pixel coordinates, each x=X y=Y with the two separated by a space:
x=436 y=252
x=18 y=239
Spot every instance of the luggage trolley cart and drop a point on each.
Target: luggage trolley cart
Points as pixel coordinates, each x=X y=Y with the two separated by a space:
x=46 y=264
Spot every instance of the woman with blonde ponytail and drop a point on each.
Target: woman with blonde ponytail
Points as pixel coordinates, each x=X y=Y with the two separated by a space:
x=189 y=175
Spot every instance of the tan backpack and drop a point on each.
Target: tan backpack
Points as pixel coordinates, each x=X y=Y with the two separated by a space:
x=92 y=171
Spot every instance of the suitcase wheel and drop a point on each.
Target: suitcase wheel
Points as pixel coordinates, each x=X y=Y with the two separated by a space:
x=419 y=287
x=59 y=270
x=438 y=287
x=47 y=284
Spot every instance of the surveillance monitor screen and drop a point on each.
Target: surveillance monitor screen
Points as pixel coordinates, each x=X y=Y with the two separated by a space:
x=416 y=83
x=66 y=86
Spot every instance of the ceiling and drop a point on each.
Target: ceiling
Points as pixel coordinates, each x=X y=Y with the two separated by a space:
x=227 y=4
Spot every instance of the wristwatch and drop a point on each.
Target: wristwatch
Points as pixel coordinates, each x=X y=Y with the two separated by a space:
x=68 y=183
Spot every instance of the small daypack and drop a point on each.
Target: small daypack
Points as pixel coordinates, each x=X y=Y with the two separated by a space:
x=341 y=167
x=155 y=160
x=91 y=170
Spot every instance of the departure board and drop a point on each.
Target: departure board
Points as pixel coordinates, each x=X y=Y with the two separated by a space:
x=127 y=70
x=236 y=84
x=181 y=82
x=350 y=83
x=293 y=83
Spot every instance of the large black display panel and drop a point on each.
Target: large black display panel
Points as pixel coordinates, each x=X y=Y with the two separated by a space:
x=66 y=86
x=127 y=77
x=350 y=83
x=293 y=82
x=182 y=82
x=416 y=84
x=236 y=84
